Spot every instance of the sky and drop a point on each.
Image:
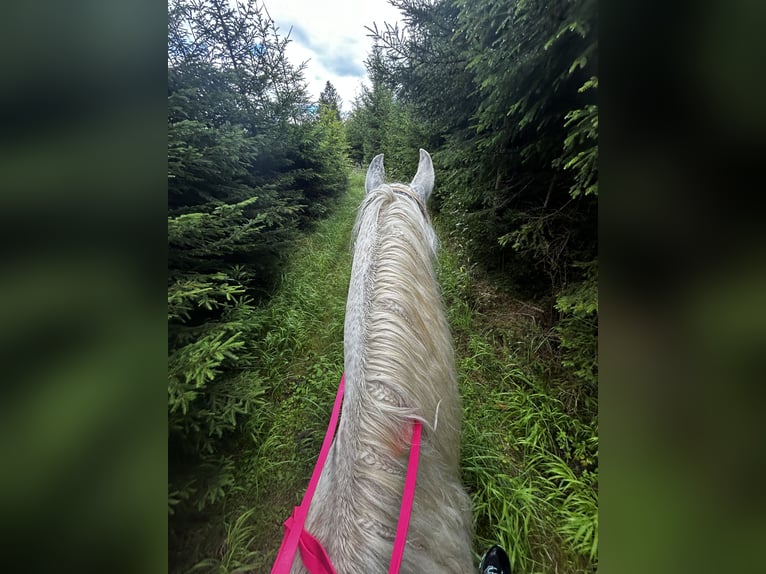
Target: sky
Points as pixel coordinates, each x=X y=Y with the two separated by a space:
x=330 y=34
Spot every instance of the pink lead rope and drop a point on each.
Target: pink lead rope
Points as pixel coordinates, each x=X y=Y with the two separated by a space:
x=407 y=498
x=313 y=554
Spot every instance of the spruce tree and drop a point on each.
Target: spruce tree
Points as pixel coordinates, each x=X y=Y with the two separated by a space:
x=249 y=166
x=331 y=99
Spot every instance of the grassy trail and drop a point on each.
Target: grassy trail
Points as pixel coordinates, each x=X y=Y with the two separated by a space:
x=529 y=453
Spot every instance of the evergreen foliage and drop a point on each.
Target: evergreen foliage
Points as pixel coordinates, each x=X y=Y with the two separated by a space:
x=503 y=93
x=380 y=123
x=330 y=98
x=250 y=165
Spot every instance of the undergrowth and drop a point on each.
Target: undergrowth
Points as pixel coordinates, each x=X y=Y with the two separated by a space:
x=300 y=361
x=530 y=433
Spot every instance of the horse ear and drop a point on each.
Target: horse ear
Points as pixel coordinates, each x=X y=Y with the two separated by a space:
x=423 y=182
x=375 y=174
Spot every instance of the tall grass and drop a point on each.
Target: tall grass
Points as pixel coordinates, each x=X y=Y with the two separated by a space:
x=234 y=555
x=528 y=460
x=300 y=360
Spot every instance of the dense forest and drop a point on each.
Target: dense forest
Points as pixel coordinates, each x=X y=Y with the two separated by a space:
x=260 y=176
x=251 y=164
x=504 y=95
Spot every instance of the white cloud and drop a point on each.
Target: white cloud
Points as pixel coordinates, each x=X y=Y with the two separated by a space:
x=332 y=36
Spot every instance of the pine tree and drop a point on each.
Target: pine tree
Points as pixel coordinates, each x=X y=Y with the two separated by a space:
x=506 y=95
x=249 y=167
x=331 y=99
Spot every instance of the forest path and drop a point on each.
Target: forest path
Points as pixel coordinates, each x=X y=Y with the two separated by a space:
x=512 y=433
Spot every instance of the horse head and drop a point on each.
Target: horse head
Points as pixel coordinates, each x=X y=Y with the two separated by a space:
x=422 y=184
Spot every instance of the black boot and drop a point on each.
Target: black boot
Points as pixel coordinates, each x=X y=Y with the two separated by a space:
x=495 y=561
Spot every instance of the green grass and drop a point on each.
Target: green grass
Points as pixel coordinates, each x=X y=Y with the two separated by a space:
x=530 y=448
x=300 y=363
x=528 y=459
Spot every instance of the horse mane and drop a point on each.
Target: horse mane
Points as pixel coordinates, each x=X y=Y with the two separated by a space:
x=405 y=337
x=399 y=366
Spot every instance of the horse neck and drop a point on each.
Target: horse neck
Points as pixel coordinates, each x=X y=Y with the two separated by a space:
x=395 y=331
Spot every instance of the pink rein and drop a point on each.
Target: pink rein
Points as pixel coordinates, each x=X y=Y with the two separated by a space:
x=313 y=554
